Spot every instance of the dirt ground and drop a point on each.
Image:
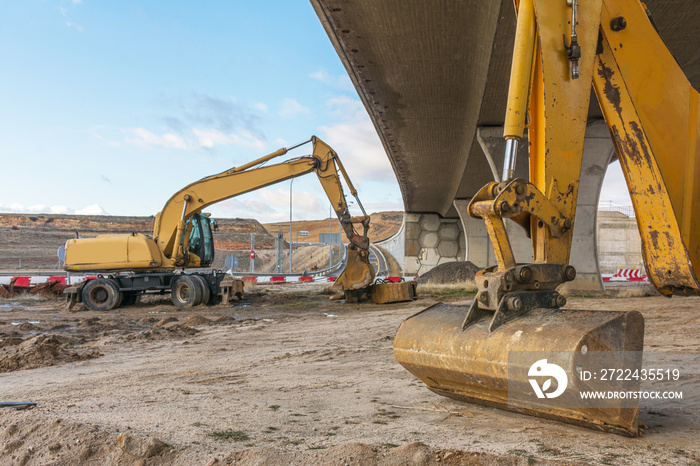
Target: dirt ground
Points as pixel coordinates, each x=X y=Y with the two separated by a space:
x=285 y=376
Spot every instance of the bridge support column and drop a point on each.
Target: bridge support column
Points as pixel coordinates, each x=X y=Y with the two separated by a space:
x=597 y=152
x=431 y=240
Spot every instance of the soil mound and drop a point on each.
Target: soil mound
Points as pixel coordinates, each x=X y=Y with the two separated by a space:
x=450 y=272
x=28 y=440
x=415 y=453
x=193 y=320
x=42 y=351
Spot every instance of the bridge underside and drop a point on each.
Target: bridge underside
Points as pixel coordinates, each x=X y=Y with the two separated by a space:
x=431 y=72
x=432 y=75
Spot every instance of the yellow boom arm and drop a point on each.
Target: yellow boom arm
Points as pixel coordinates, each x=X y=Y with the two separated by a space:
x=169 y=247
x=195 y=197
x=491 y=354
x=652 y=113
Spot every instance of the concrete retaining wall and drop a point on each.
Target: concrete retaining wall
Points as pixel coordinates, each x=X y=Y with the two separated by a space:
x=619 y=242
x=431 y=240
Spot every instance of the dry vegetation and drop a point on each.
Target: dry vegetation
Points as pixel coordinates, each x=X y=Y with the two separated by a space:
x=439 y=290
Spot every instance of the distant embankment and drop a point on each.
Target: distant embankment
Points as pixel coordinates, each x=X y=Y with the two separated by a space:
x=30 y=241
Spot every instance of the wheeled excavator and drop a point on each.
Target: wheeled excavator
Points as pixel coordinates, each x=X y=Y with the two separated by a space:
x=503 y=350
x=134 y=264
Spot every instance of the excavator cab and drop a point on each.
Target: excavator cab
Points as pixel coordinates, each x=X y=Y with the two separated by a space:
x=201 y=240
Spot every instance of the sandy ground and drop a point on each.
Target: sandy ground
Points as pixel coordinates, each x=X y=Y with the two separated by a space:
x=285 y=376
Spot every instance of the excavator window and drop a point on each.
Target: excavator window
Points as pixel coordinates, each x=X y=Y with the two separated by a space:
x=201 y=241
x=208 y=241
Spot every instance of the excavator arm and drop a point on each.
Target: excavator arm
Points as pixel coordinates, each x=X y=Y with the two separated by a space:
x=171 y=230
x=652 y=113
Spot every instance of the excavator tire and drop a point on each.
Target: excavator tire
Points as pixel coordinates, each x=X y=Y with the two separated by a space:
x=206 y=291
x=101 y=294
x=186 y=291
x=129 y=299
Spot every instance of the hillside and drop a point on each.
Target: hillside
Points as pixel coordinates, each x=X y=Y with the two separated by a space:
x=31 y=241
x=35 y=239
x=382 y=225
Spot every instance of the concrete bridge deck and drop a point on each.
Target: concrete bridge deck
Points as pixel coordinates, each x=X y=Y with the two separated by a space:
x=433 y=76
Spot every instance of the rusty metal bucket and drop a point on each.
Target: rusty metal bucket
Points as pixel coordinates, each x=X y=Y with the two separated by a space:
x=358 y=272
x=472 y=364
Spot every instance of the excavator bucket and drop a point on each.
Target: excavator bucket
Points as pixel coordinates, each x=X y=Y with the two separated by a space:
x=504 y=367
x=358 y=272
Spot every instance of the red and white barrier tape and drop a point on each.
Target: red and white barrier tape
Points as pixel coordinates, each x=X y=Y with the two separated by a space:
x=626 y=275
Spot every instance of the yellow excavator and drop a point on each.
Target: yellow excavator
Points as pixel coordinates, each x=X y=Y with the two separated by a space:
x=182 y=238
x=514 y=348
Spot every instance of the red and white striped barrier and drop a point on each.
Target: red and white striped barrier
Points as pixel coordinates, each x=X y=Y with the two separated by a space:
x=302 y=279
x=626 y=275
x=33 y=280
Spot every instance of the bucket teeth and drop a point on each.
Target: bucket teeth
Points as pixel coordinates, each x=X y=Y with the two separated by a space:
x=494 y=366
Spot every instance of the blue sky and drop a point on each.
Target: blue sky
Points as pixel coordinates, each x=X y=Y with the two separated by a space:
x=110 y=107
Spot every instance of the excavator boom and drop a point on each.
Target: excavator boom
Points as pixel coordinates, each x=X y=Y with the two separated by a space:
x=492 y=351
x=170 y=247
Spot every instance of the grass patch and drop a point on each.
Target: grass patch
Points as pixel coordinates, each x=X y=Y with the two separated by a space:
x=452 y=290
x=632 y=292
x=531 y=460
x=200 y=424
x=298 y=304
x=25 y=297
x=237 y=435
x=316 y=447
x=296 y=442
x=270 y=429
x=274 y=407
x=389 y=445
x=549 y=451
x=196 y=442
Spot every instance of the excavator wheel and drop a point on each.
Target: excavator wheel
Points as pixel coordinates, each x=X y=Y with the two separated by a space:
x=206 y=291
x=186 y=291
x=101 y=294
x=129 y=299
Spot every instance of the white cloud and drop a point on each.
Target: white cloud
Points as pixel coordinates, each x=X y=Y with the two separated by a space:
x=146 y=139
x=341 y=81
x=614 y=191
x=290 y=107
x=194 y=140
x=346 y=108
x=69 y=23
x=356 y=142
x=18 y=208
x=302 y=201
x=272 y=205
x=94 y=209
